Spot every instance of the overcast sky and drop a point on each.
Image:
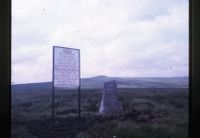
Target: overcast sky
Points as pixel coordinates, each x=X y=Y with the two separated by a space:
x=135 y=38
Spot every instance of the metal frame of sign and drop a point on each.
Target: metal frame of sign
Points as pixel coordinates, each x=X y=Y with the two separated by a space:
x=54 y=89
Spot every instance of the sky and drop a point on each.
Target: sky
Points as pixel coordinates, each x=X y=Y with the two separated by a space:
x=118 y=38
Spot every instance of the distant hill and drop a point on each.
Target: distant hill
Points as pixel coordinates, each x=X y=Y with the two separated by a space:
x=123 y=82
x=137 y=82
x=32 y=86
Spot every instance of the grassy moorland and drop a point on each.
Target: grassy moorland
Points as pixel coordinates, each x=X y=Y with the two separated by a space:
x=148 y=113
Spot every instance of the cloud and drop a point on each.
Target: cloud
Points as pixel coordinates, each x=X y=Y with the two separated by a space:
x=116 y=38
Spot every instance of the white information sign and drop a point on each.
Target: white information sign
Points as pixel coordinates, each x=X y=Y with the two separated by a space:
x=66 y=67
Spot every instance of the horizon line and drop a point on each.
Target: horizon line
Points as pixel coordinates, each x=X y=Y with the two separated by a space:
x=12 y=83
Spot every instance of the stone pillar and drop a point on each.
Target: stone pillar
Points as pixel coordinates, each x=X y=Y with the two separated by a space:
x=110 y=106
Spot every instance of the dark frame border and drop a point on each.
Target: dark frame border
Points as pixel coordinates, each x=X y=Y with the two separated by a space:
x=194 y=69
x=5 y=68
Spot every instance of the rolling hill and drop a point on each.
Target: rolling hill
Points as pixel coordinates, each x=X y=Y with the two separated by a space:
x=123 y=82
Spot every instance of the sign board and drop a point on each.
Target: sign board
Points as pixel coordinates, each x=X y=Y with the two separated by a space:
x=66 y=67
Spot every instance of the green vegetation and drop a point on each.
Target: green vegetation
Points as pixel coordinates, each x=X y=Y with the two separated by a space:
x=148 y=113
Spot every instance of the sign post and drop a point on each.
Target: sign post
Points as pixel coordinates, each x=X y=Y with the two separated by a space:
x=66 y=72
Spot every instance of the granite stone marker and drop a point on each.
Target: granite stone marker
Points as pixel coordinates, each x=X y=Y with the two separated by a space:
x=110 y=106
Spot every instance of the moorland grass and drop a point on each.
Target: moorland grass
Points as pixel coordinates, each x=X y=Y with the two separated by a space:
x=148 y=113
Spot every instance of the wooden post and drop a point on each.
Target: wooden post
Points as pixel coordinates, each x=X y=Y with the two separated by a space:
x=53 y=103
x=79 y=102
x=53 y=89
x=79 y=89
